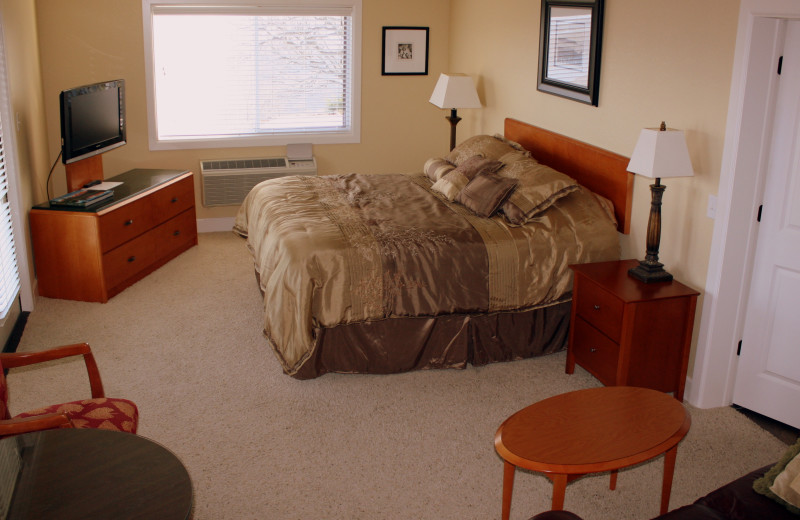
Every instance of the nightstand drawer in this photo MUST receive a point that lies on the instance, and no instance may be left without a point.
(595, 352)
(600, 308)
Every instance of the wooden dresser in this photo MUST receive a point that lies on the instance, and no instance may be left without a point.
(92, 254)
(625, 332)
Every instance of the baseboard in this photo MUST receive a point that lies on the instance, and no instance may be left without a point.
(213, 225)
(16, 334)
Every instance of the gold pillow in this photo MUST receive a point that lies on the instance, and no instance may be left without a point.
(455, 181)
(435, 168)
(538, 188)
(490, 147)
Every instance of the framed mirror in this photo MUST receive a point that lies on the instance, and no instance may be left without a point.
(570, 37)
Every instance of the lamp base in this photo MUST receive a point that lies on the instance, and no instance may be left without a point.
(650, 272)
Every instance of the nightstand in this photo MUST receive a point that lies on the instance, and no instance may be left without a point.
(625, 332)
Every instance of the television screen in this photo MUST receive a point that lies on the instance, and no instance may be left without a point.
(92, 119)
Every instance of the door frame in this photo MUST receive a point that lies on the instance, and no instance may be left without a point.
(744, 158)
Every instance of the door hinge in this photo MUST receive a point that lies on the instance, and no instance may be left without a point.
(760, 207)
(780, 65)
(739, 348)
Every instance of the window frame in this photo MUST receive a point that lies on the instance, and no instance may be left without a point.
(350, 135)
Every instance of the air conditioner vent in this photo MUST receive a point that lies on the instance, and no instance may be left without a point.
(227, 181)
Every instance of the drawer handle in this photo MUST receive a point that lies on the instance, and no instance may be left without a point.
(132, 259)
(597, 307)
(129, 222)
(176, 232)
(593, 350)
(174, 199)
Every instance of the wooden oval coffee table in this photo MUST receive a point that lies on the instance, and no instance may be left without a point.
(591, 431)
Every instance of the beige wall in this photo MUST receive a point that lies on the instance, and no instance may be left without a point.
(660, 61)
(84, 41)
(27, 105)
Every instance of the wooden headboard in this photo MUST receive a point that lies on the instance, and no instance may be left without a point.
(599, 170)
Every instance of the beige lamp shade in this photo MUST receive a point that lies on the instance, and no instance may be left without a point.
(455, 91)
(661, 153)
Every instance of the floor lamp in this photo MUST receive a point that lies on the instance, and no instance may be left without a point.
(455, 91)
(659, 153)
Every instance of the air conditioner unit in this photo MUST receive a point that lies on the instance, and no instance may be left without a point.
(227, 181)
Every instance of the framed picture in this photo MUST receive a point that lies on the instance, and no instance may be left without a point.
(569, 49)
(405, 51)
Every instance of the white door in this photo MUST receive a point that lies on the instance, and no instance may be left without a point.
(768, 374)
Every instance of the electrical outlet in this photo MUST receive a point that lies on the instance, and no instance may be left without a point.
(712, 206)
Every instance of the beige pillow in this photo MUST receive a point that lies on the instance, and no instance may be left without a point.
(787, 483)
(765, 484)
(455, 181)
(538, 187)
(490, 147)
(435, 168)
(485, 193)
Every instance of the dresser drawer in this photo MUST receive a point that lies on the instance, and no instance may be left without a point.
(128, 259)
(176, 233)
(595, 352)
(126, 222)
(599, 307)
(173, 199)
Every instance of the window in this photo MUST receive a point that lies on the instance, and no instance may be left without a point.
(249, 74)
(9, 273)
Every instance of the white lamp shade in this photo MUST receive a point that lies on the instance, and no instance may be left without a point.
(661, 154)
(455, 91)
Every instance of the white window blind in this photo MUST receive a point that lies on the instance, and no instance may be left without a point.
(226, 74)
(9, 274)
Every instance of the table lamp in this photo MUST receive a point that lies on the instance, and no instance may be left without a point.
(455, 91)
(660, 152)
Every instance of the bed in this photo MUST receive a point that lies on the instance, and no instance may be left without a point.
(463, 263)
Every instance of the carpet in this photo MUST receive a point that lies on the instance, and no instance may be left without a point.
(186, 345)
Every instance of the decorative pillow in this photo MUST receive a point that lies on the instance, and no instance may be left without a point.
(781, 482)
(435, 168)
(490, 147)
(539, 187)
(455, 181)
(485, 193)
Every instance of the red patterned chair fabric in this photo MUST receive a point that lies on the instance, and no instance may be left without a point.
(104, 413)
(98, 412)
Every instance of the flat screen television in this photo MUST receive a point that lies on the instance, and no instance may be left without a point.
(92, 119)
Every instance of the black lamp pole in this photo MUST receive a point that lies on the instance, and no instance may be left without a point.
(454, 119)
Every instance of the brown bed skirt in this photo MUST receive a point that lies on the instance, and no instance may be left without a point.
(448, 341)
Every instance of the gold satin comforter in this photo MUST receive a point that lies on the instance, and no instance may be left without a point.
(346, 249)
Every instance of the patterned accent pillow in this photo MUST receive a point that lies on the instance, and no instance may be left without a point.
(455, 181)
(485, 193)
(103, 413)
(539, 188)
(436, 168)
(488, 146)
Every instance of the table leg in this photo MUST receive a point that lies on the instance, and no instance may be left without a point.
(669, 470)
(559, 490)
(508, 487)
(613, 484)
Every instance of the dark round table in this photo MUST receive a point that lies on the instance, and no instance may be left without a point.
(86, 473)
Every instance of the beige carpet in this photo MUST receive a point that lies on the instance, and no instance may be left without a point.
(186, 345)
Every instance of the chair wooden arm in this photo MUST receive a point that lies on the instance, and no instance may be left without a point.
(21, 359)
(32, 424)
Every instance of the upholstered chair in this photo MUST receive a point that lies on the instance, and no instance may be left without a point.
(97, 412)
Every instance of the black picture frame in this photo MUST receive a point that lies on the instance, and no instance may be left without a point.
(405, 51)
(570, 40)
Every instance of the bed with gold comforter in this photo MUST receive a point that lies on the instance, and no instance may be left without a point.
(383, 274)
